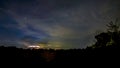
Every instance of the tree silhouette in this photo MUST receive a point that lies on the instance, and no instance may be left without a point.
(102, 39)
(114, 32)
(111, 37)
(113, 26)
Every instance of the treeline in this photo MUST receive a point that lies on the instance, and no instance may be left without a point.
(16, 56)
(105, 50)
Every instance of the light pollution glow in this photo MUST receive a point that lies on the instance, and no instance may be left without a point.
(59, 23)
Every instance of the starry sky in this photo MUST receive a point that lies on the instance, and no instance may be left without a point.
(56, 23)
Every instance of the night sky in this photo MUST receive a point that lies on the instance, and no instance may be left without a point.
(55, 23)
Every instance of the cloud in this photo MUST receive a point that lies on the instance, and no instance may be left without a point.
(67, 24)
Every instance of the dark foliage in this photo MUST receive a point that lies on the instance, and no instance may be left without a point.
(80, 57)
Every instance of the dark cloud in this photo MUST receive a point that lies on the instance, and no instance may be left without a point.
(63, 23)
